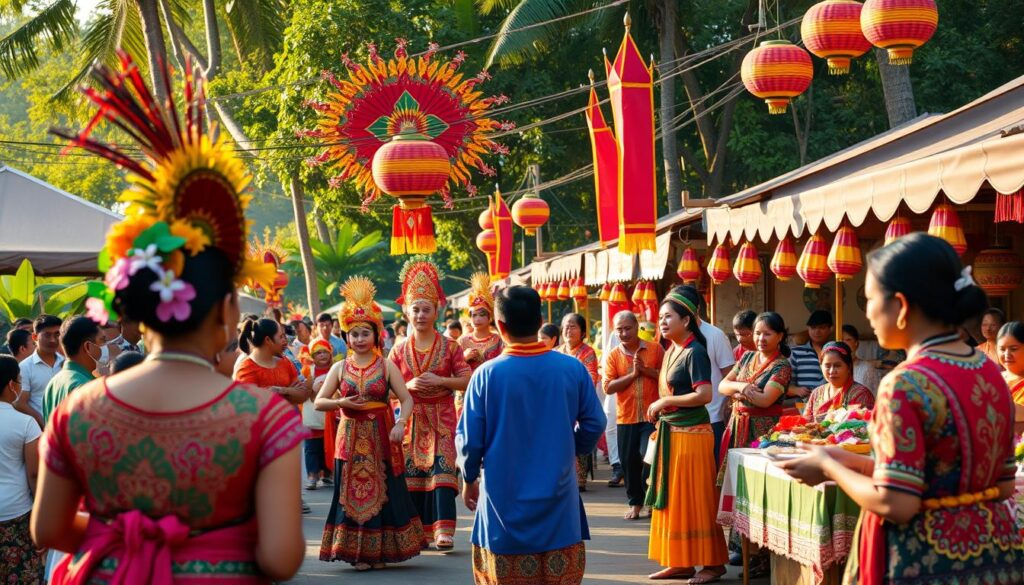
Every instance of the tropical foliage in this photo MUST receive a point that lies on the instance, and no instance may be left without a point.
(347, 253)
(24, 295)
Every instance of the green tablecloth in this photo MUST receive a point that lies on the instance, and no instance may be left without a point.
(811, 525)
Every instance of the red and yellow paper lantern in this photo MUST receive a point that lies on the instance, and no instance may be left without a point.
(551, 292)
(831, 31)
(844, 259)
(530, 213)
(606, 292)
(813, 265)
(563, 293)
(899, 26)
(638, 293)
(578, 292)
(487, 241)
(783, 264)
(777, 72)
(898, 227)
(411, 167)
(998, 271)
(689, 268)
(651, 293)
(747, 269)
(945, 224)
(618, 296)
(486, 218)
(718, 267)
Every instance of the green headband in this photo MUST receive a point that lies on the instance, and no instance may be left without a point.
(685, 302)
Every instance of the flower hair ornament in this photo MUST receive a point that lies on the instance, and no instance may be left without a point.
(966, 279)
(187, 192)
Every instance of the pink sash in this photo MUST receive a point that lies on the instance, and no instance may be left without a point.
(146, 548)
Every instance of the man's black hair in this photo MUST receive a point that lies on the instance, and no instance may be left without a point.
(519, 308)
(75, 332)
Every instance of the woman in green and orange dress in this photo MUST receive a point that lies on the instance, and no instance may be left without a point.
(935, 497)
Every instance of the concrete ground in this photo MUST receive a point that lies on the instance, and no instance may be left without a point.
(616, 553)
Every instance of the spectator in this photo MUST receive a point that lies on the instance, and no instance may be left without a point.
(23, 324)
(303, 335)
(806, 358)
(453, 330)
(325, 325)
(550, 335)
(131, 336)
(83, 341)
(43, 364)
(991, 320)
(21, 561)
(743, 330)
(111, 349)
(20, 344)
(864, 371)
(401, 331)
(126, 360)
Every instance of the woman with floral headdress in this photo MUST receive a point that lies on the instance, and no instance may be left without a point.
(372, 520)
(434, 369)
(483, 343)
(169, 472)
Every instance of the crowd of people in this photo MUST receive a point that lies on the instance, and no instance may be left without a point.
(166, 438)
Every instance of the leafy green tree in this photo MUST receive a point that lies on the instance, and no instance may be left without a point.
(347, 254)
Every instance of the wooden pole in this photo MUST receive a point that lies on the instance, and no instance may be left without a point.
(711, 302)
(549, 311)
(839, 309)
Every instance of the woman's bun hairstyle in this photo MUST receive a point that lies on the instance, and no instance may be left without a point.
(255, 333)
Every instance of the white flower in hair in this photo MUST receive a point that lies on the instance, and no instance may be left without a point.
(148, 257)
(966, 279)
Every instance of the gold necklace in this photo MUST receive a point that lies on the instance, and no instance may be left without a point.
(182, 357)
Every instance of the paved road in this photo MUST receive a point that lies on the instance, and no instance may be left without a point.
(617, 552)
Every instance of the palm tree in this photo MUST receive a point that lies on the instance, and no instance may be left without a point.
(346, 253)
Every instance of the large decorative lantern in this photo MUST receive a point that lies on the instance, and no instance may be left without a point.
(945, 224)
(487, 241)
(271, 252)
(718, 267)
(899, 26)
(844, 259)
(898, 227)
(530, 213)
(831, 30)
(562, 292)
(783, 264)
(998, 271)
(618, 295)
(606, 292)
(407, 126)
(813, 264)
(777, 72)
(689, 269)
(486, 218)
(748, 266)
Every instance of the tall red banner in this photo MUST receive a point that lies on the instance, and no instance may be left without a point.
(503, 228)
(606, 170)
(630, 86)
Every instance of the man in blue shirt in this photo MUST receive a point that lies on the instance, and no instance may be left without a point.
(324, 328)
(528, 414)
(805, 360)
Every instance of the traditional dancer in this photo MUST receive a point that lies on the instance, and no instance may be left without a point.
(574, 335)
(483, 343)
(372, 520)
(530, 409)
(434, 369)
(168, 472)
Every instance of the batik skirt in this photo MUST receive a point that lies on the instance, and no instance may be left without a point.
(564, 566)
(21, 563)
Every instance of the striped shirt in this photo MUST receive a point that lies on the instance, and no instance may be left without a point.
(806, 367)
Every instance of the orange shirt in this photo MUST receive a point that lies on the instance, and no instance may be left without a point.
(634, 400)
(282, 374)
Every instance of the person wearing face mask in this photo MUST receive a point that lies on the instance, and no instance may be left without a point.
(83, 342)
(21, 561)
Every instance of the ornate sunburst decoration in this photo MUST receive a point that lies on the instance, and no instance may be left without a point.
(405, 95)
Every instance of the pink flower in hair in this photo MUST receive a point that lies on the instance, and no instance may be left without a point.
(175, 296)
(117, 277)
(96, 310)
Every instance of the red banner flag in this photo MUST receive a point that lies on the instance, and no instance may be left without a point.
(502, 227)
(606, 169)
(630, 85)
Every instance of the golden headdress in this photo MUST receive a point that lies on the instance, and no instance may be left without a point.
(359, 307)
(480, 295)
(186, 194)
(421, 281)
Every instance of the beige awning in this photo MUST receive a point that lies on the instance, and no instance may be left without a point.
(560, 268)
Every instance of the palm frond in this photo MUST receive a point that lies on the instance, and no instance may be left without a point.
(54, 25)
(466, 16)
(489, 6)
(512, 44)
(256, 30)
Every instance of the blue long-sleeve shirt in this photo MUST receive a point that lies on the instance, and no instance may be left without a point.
(526, 418)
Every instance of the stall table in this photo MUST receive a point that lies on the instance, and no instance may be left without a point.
(812, 526)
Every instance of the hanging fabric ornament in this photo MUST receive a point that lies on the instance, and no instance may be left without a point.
(718, 267)
(898, 227)
(578, 293)
(748, 266)
(487, 242)
(606, 292)
(562, 292)
(503, 238)
(899, 26)
(777, 72)
(844, 259)
(605, 149)
(783, 264)
(831, 30)
(689, 269)
(945, 224)
(813, 264)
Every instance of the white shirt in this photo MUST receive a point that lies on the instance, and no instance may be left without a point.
(721, 356)
(35, 375)
(16, 431)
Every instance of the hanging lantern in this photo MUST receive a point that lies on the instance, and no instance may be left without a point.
(578, 292)
(783, 264)
(650, 294)
(530, 213)
(899, 26)
(486, 218)
(777, 72)
(748, 266)
(844, 259)
(606, 292)
(689, 269)
(998, 271)
(898, 227)
(813, 264)
(551, 292)
(945, 224)
(638, 292)
(487, 241)
(831, 30)
(562, 292)
(718, 267)
(411, 167)
(618, 295)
